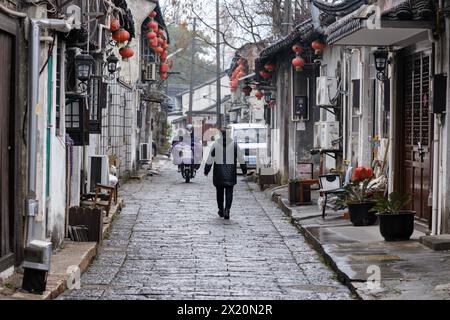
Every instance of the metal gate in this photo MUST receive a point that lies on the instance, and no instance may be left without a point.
(6, 178)
(416, 133)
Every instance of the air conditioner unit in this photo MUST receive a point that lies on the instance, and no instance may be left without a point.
(324, 133)
(327, 88)
(149, 71)
(144, 152)
(98, 171)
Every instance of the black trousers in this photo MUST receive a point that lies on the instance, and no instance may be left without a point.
(228, 194)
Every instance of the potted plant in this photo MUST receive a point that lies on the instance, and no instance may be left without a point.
(358, 196)
(396, 224)
(294, 191)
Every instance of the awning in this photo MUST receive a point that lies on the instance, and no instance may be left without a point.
(368, 26)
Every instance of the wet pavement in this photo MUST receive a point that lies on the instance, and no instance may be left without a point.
(170, 243)
(375, 269)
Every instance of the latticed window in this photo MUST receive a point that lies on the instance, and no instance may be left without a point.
(77, 119)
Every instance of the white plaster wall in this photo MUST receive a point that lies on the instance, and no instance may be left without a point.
(208, 90)
(57, 196)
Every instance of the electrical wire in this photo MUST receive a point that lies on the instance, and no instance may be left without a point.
(49, 53)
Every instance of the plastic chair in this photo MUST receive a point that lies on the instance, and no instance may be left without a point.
(329, 184)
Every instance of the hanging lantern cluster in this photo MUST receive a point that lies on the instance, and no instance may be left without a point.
(266, 73)
(157, 40)
(298, 62)
(120, 36)
(239, 72)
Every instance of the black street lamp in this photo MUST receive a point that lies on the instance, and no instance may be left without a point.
(83, 66)
(381, 62)
(112, 63)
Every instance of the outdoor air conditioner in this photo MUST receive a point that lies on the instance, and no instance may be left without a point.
(324, 133)
(98, 171)
(149, 71)
(144, 152)
(327, 88)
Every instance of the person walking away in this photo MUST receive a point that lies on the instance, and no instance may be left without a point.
(224, 156)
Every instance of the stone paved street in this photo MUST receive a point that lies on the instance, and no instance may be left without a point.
(169, 243)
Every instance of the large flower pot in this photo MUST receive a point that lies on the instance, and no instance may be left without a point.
(396, 226)
(360, 215)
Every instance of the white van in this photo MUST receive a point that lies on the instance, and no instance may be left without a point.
(250, 137)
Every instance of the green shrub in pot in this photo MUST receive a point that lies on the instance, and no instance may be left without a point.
(357, 196)
(396, 223)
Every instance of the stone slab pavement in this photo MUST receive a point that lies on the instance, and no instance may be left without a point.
(169, 243)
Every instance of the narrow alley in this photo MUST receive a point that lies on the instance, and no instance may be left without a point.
(170, 243)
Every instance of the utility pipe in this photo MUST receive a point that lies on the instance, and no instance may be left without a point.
(33, 105)
(12, 12)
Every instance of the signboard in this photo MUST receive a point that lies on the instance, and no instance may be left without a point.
(300, 111)
(304, 170)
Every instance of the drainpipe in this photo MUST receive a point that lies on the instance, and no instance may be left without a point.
(446, 209)
(32, 204)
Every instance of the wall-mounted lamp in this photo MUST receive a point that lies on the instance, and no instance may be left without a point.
(381, 62)
(83, 65)
(112, 63)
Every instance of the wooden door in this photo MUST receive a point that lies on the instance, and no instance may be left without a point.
(6, 186)
(417, 132)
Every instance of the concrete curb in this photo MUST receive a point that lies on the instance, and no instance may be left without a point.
(342, 277)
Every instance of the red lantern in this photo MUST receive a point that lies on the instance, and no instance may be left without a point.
(240, 61)
(153, 25)
(246, 90)
(318, 46)
(151, 35)
(159, 50)
(160, 41)
(121, 35)
(298, 63)
(161, 32)
(264, 74)
(153, 43)
(114, 25)
(165, 45)
(152, 14)
(164, 56)
(269, 67)
(297, 48)
(164, 67)
(259, 94)
(126, 52)
(163, 75)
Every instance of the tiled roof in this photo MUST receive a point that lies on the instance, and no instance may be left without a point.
(302, 32)
(412, 10)
(345, 25)
(341, 8)
(416, 10)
